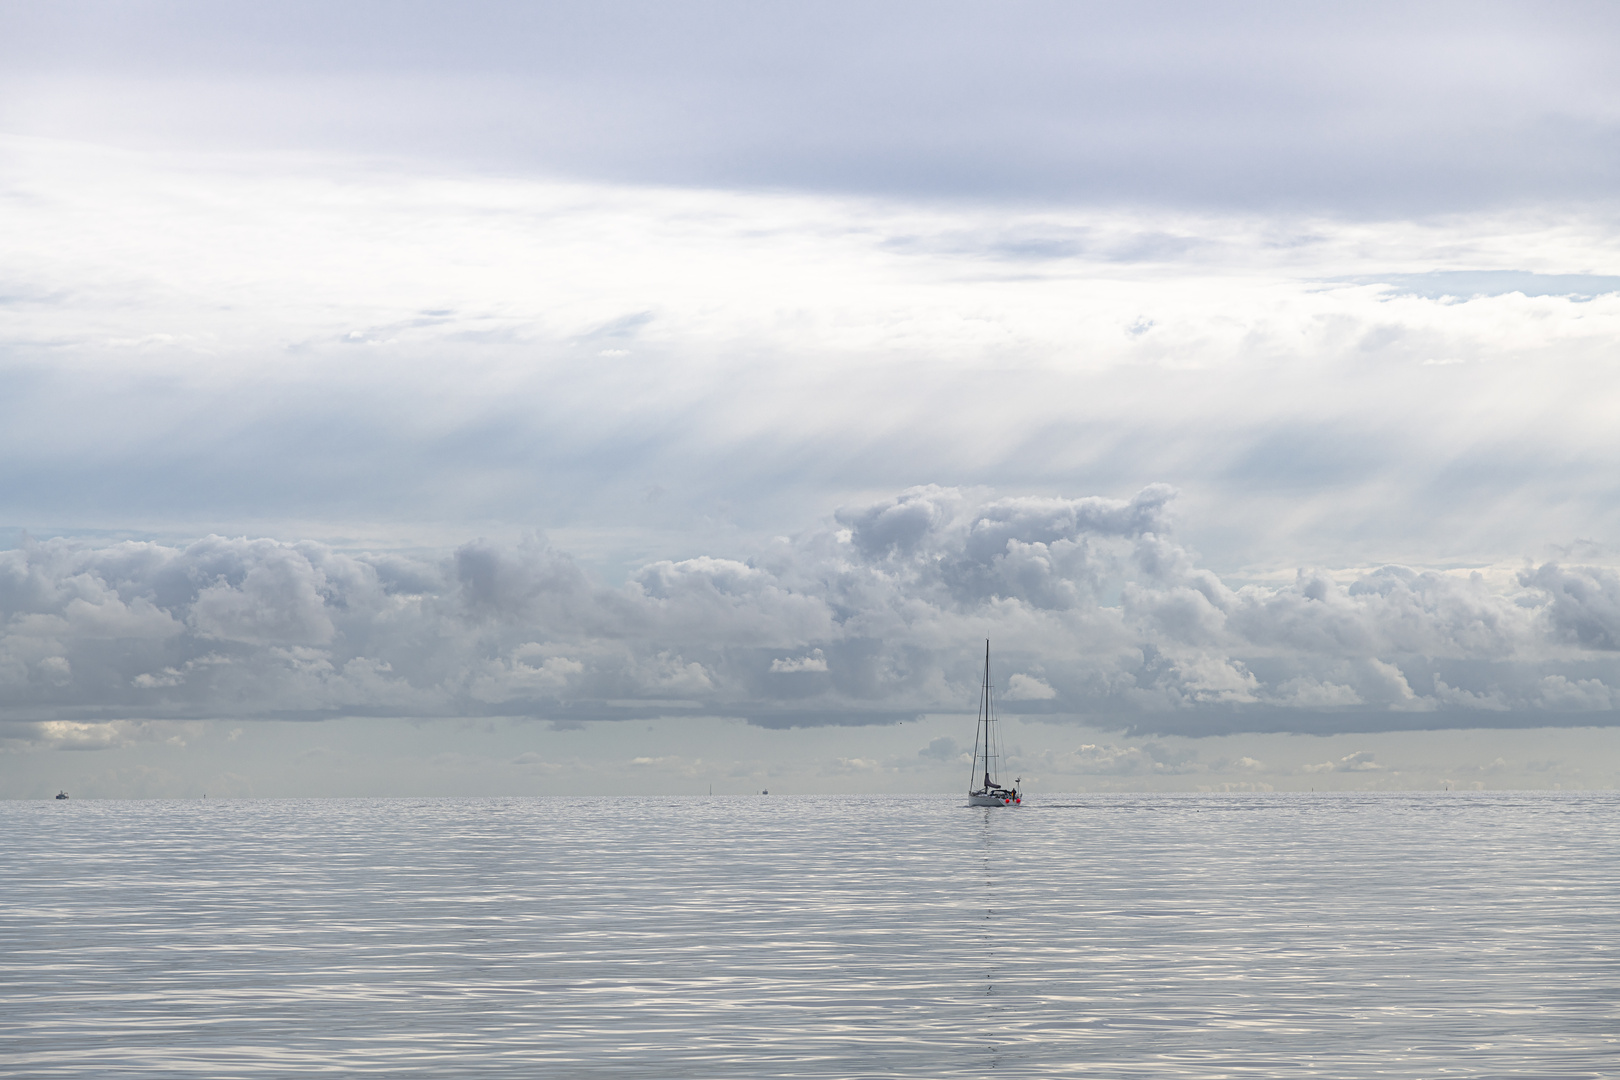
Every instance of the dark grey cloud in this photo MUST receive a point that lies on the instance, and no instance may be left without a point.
(872, 618)
(1584, 604)
(1371, 107)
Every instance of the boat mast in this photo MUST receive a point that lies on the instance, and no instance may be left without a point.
(990, 753)
(982, 733)
(978, 731)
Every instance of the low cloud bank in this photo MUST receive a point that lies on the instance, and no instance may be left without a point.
(1096, 612)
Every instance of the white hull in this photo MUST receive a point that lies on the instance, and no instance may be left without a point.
(991, 800)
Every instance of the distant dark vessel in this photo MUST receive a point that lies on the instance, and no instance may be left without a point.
(61, 795)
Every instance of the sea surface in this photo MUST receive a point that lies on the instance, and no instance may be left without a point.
(1199, 936)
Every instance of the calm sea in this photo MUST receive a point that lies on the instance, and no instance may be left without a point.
(1100, 936)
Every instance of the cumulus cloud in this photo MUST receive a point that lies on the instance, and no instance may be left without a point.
(875, 616)
(814, 662)
(1309, 692)
(90, 735)
(1021, 687)
(1360, 761)
(1583, 604)
(1577, 695)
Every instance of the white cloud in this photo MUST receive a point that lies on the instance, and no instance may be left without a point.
(814, 629)
(1492, 700)
(92, 735)
(813, 662)
(885, 340)
(1360, 761)
(55, 670)
(527, 671)
(1578, 695)
(1310, 693)
(1021, 687)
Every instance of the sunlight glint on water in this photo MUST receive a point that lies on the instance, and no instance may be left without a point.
(1103, 936)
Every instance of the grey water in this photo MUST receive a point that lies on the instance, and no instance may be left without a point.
(1444, 935)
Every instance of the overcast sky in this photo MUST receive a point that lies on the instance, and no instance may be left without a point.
(405, 398)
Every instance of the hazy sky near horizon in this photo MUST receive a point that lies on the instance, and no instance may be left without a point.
(650, 393)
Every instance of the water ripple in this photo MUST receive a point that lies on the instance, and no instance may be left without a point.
(1340, 936)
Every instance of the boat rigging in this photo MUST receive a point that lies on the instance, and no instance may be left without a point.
(987, 749)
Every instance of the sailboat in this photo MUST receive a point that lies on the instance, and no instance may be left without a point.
(987, 749)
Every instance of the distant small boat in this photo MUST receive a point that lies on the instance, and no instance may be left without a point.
(987, 749)
(61, 794)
